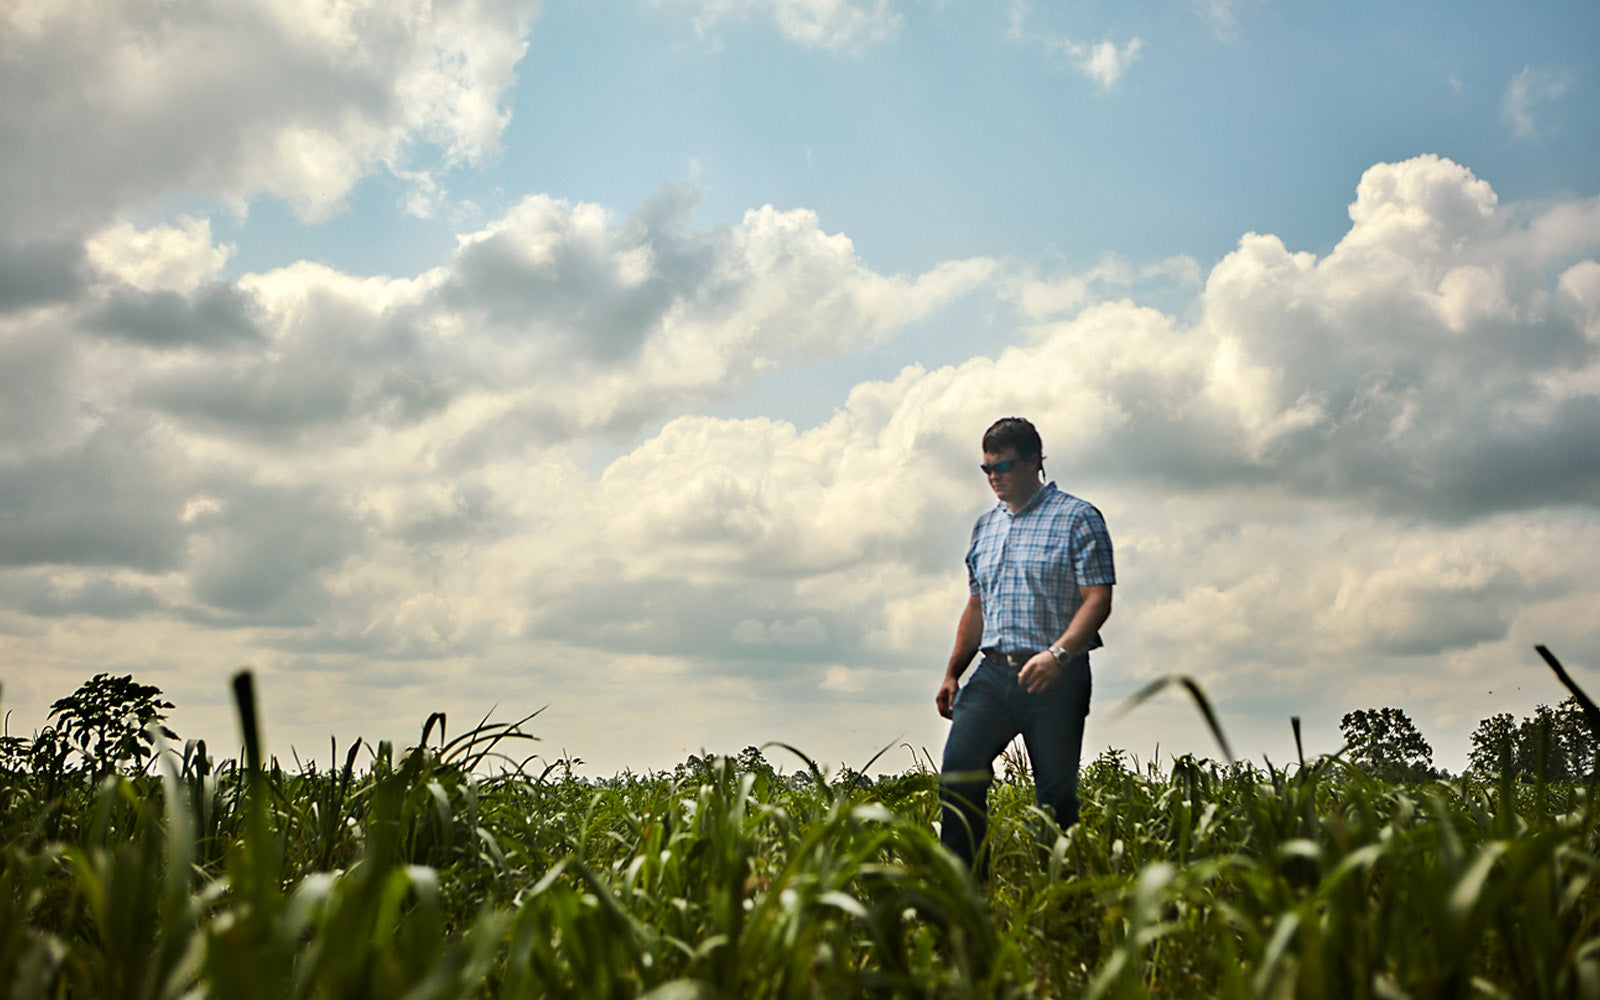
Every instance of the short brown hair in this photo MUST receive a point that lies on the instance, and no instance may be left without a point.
(1013, 432)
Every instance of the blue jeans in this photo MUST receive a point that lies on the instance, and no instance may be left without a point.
(989, 711)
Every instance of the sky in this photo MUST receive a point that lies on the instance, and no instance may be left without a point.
(626, 361)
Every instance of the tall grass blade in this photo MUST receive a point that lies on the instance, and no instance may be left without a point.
(1590, 711)
(244, 696)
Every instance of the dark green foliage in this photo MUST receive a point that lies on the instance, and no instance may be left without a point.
(107, 723)
(1385, 743)
(456, 868)
(1204, 879)
(1551, 745)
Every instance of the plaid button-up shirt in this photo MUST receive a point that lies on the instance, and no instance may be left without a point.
(1027, 567)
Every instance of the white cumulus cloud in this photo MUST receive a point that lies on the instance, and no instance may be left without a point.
(172, 258)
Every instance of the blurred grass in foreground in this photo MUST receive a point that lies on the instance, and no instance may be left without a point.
(453, 869)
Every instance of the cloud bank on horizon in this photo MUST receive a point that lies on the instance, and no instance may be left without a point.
(547, 468)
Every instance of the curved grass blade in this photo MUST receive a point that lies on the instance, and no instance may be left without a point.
(1150, 690)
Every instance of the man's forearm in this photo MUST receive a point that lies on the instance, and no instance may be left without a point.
(1085, 624)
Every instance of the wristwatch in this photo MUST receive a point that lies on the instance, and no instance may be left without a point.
(1060, 655)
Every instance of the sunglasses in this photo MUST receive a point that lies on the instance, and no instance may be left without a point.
(1000, 467)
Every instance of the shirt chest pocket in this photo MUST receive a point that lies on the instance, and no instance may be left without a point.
(1046, 565)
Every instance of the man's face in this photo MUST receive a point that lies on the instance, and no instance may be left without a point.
(1018, 482)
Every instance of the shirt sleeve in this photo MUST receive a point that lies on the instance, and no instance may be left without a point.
(972, 548)
(1092, 560)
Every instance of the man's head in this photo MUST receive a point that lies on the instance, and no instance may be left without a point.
(1014, 432)
(1013, 459)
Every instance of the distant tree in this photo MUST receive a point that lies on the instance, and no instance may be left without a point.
(107, 722)
(1543, 747)
(750, 760)
(1580, 740)
(1555, 744)
(1494, 746)
(1385, 743)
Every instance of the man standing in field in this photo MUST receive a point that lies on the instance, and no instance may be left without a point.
(1040, 574)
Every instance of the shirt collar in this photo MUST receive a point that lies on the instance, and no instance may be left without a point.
(1033, 501)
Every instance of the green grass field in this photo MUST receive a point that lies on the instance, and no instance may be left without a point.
(451, 870)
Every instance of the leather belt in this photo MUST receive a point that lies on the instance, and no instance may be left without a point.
(1010, 659)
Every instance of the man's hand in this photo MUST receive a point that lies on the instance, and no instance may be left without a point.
(1039, 672)
(946, 698)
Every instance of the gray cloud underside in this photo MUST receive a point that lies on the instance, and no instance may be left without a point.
(36, 595)
(104, 502)
(112, 106)
(217, 315)
(39, 272)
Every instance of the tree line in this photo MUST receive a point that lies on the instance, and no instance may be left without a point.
(110, 724)
(1553, 744)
